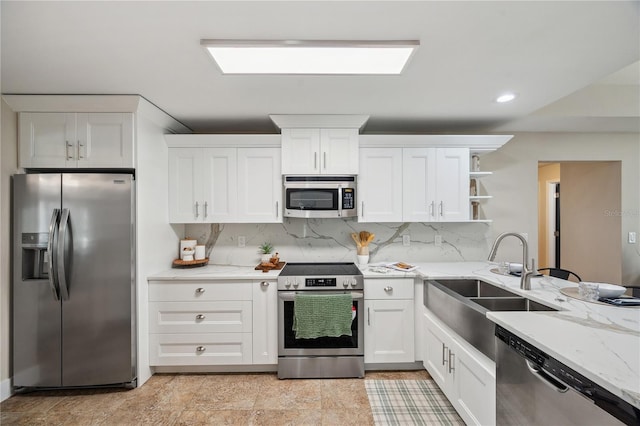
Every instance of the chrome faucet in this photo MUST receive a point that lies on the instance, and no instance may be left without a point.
(525, 275)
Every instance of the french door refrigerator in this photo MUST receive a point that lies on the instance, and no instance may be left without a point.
(73, 293)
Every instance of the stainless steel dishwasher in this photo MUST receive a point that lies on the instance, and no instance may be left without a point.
(534, 389)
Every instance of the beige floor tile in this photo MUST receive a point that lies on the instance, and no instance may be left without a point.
(287, 394)
(220, 417)
(286, 417)
(346, 394)
(136, 418)
(29, 403)
(346, 417)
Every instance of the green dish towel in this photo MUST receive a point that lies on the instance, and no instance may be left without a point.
(322, 315)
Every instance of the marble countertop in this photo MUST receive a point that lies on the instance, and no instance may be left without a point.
(599, 341)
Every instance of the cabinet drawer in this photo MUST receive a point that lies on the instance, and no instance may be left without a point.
(200, 349)
(393, 288)
(186, 291)
(200, 317)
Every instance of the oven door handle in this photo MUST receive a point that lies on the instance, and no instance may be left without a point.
(291, 295)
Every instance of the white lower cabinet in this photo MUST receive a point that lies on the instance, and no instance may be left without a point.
(389, 326)
(465, 376)
(200, 323)
(265, 322)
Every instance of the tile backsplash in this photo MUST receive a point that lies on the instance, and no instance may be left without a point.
(329, 240)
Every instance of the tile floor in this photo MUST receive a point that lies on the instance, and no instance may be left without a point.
(205, 399)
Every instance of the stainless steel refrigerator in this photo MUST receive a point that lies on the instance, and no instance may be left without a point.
(73, 293)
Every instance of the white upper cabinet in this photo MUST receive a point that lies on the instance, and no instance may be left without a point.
(223, 184)
(259, 185)
(380, 185)
(76, 140)
(319, 151)
(435, 184)
(202, 185)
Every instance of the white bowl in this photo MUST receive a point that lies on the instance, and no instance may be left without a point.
(515, 268)
(609, 290)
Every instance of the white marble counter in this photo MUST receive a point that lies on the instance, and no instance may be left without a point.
(599, 341)
(213, 272)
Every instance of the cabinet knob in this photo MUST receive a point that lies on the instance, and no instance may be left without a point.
(200, 317)
(264, 284)
(388, 289)
(200, 290)
(201, 349)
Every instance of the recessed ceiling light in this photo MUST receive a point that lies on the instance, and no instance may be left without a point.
(310, 56)
(507, 97)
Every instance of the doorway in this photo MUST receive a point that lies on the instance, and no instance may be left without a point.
(578, 230)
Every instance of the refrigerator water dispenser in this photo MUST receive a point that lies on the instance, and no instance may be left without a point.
(35, 257)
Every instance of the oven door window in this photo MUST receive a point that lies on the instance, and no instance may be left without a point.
(342, 342)
(311, 199)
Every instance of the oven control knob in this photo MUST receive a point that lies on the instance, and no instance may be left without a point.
(345, 283)
(296, 284)
(354, 283)
(288, 283)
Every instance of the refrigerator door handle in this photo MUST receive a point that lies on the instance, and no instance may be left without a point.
(51, 250)
(61, 254)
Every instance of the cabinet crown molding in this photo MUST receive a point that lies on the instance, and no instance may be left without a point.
(223, 141)
(328, 121)
(475, 143)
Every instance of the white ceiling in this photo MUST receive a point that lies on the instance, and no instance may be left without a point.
(573, 64)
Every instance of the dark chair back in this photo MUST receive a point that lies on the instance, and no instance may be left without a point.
(560, 273)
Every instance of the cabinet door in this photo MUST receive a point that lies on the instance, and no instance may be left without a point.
(419, 184)
(104, 140)
(436, 352)
(220, 185)
(453, 184)
(259, 185)
(47, 140)
(339, 151)
(185, 185)
(389, 332)
(380, 185)
(473, 389)
(265, 322)
(300, 151)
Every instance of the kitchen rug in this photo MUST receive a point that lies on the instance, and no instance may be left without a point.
(409, 402)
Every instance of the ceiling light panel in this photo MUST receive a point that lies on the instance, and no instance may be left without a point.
(310, 57)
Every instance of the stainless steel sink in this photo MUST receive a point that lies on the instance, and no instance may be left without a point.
(511, 304)
(475, 288)
(463, 305)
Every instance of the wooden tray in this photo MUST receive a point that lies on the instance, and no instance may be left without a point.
(265, 268)
(179, 263)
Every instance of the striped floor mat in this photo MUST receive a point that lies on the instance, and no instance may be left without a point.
(409, 402)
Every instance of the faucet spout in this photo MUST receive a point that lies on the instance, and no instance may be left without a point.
(525, 276)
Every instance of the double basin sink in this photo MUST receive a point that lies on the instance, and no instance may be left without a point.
(462, 304)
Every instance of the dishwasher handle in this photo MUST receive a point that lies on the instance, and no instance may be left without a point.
(546, 378)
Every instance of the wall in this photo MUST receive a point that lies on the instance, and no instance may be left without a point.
(515, 185)
(546, 173)
(8, 167)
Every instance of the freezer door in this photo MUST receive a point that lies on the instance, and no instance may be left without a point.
(97, 279)
(36, 311)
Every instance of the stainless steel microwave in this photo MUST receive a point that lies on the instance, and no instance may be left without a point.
(320, 196)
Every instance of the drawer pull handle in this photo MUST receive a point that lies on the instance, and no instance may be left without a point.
(200, 290)
(264, 284)
(451, 367)
(388, 289)
(200, 317)
(201, 349)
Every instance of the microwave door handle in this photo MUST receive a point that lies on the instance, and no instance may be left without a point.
(339, 200)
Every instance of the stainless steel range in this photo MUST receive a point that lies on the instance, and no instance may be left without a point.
(324, 356)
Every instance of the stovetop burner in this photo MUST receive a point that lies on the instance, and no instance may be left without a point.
(323, 269)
